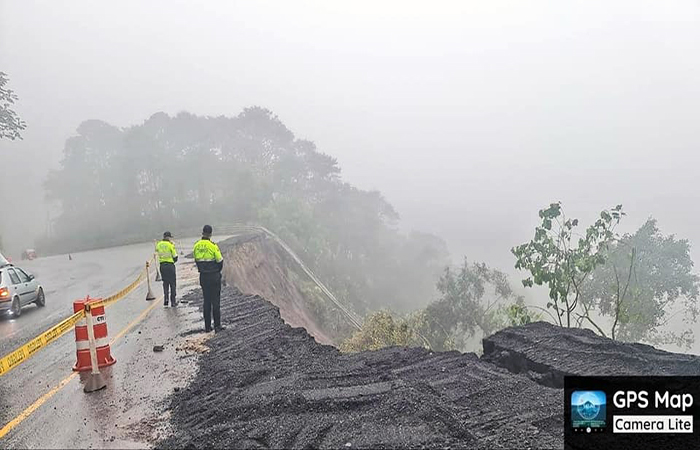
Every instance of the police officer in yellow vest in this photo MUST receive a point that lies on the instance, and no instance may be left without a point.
(167, 257)
(209, 263)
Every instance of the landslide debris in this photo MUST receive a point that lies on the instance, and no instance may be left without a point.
(546, 353)
(265, 384)
(257, 265)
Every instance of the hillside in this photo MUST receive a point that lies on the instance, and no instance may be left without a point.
(258, 264)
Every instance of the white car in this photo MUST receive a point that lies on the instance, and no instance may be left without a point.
(17, 289)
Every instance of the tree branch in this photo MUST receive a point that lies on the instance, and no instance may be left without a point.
(541, 309)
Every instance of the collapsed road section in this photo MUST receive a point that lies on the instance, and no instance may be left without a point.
(269, 380)
(546, 353)
(268, 383)
(265, 384)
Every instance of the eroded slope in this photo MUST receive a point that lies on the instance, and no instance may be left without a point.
(257, 265)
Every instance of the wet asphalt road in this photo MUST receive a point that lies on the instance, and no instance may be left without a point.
(96, 273)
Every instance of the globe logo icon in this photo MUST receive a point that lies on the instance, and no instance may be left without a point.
(588, 410)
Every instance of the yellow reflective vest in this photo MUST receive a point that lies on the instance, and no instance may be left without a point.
(166, 252)
(207, 256)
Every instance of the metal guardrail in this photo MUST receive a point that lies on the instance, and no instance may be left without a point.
(237, 228)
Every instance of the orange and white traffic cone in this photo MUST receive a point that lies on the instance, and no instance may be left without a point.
(96, 381)
(98, 330)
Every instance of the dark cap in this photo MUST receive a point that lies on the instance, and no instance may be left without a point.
(167, 234)
(207, 230)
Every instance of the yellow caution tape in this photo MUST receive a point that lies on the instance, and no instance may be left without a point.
(16, 357)
(13, 359)
(121, 294)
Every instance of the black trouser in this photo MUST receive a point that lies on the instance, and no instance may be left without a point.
(211, 289)
(167, 272)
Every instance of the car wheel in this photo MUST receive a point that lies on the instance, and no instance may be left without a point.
(40, 299)
(16, 308)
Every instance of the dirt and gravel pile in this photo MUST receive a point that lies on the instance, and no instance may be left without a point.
(546, 353)
(265, 384)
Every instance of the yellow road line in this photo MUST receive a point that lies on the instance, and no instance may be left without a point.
(26, 351)
(34, 406)
(44, 398)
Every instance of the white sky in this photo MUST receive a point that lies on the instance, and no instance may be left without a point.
(469, 116)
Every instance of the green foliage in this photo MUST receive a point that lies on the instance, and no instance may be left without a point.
(475, 301)
(380, 330)
(470, 303)
(324, 312)
(10, 123)
(517, 314)
(128, 185)
(554, 258)
(645, 283)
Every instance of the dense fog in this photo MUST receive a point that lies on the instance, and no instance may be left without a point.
(454, 120)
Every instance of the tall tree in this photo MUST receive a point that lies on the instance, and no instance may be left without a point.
(118, 185)
(475, 301)
(556, 258)
(646, 282)
(472, 300)
(10, 123)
